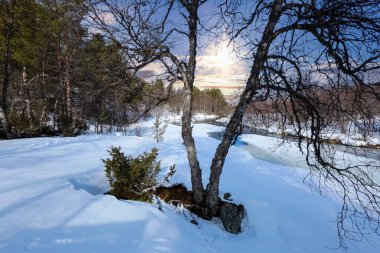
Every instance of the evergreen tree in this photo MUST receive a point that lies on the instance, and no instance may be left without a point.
(159, 128)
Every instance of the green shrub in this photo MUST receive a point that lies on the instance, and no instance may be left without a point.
(159, 128)
(132, 178)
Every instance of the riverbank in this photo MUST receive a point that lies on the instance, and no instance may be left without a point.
(332, 136)
(366, 151)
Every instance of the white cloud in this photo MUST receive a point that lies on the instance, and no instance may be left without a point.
(217, 67)
(220, 67)
(107, 18)
(152, 71)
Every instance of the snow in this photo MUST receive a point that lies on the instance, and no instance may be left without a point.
(51, 200)
(353, 137)
(195, 116)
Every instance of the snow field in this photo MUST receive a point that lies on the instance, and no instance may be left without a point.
(51, 201)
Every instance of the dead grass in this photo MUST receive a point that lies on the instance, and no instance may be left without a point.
(179, 194)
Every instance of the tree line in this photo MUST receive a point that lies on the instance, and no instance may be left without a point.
(341, 111)
(58, 76)
(207, 101)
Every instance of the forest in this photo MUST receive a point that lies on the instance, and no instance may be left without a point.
(112, 73)
(59, 76)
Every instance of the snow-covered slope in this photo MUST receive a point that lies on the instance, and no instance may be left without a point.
(51, 201)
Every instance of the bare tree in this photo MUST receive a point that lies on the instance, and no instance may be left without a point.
(145, 34)
(338, 42)
(345, 45)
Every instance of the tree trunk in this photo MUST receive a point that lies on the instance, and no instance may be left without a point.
(6, 80)
(4, 121)
(196, 172)
(212, 197)
(68, 96)
(43, 113)
(56, 114)
(27, 96)
(66, 79)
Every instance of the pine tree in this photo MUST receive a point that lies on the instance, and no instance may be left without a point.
(159, 128)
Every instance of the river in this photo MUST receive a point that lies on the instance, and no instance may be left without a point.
(258, 153)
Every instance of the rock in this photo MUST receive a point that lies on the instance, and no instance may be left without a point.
(231, 216)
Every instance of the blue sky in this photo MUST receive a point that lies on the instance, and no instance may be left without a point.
(217, 63)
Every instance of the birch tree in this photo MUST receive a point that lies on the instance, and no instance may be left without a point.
(145, 33)
(338, 43)
(274, 33)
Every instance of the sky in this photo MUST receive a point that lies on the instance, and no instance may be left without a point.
(218, 66)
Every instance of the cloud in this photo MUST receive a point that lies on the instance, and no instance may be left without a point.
(107, 17)
(220, 59)
(97, 19)
(218, 67)
(152, 71)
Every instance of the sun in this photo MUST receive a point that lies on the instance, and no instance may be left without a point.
(219, 66)
(222, 57)
(224, 53)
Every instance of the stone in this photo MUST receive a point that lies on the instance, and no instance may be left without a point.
(231, 216)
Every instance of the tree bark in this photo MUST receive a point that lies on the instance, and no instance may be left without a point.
(196, 172)
(27, 96)
(43, 113)
(6, 81)
(212, 198)
(4, 121)
(66, 79)
(68, 95)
